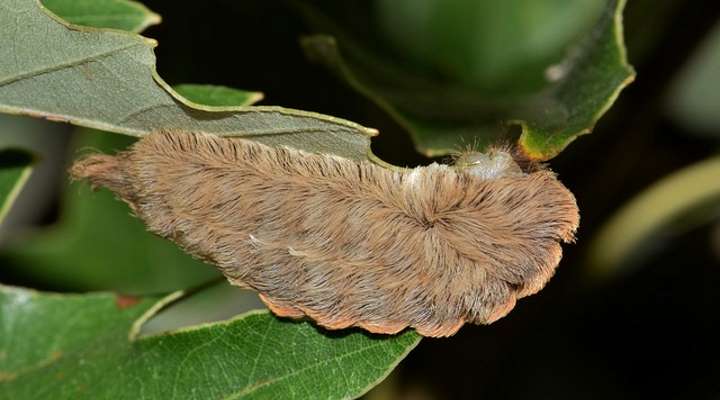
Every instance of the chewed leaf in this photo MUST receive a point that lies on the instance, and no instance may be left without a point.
(441, 117)
(86, 347)
(15, 169)
(107, 80)
(125, 15)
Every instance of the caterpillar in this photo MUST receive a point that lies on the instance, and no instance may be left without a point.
(348, 243)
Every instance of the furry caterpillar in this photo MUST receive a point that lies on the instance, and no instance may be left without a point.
(350, 243)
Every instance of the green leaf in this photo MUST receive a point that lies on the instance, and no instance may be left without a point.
(15, 169)
(218, 96)
(99, 245)
(443, 116)
(595, 76)
(686, 198)
(695, 95)
(86, 347)
(493, 46)
(107, 80)
(116, 14)
(60, 325)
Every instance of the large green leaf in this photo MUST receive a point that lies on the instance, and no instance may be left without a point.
(684, 199)
(86, 347)
(117, 14)
(442, 116)
(98, 245)
(502, 46)
(15, 169)
(106, 79)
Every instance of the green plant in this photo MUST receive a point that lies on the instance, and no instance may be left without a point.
(82, 62)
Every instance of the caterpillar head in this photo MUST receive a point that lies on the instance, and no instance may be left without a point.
(496, 162)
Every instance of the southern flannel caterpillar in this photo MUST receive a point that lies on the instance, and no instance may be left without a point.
(350, 243)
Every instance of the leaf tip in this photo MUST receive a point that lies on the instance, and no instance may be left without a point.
(150, 19)
(255, 97)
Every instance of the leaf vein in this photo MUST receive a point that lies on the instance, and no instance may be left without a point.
(64, 65)
(253, 388)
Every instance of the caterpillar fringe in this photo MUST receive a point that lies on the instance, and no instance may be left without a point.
(349, 243)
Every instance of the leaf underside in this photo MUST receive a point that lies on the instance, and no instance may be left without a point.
(107, 80)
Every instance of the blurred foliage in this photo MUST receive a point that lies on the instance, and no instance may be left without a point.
(678, 203)
(99, 245)
(45, 140)
(560, 94)
(497, 48)
(15, 168)
(695, 100)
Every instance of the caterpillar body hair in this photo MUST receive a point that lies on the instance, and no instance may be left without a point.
(350, 243)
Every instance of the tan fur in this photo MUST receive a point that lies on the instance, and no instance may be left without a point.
(348, 243)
